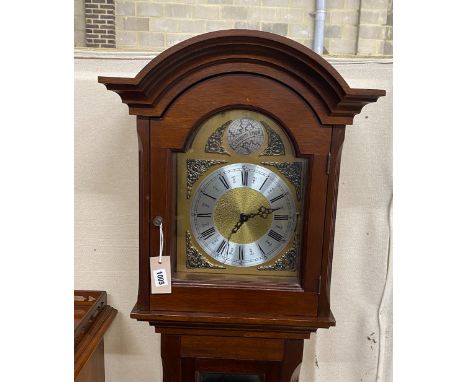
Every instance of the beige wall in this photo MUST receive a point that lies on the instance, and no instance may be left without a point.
(106, 228)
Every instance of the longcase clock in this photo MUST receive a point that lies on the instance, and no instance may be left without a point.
(240, 135)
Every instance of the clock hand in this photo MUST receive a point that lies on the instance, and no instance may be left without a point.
(263, 212)
(243, 218)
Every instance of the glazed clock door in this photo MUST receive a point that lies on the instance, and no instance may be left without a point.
(240, 198)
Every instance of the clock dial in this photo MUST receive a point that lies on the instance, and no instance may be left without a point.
(239, 198)
(243, 214)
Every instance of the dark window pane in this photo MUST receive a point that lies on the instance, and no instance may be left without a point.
(222, 377)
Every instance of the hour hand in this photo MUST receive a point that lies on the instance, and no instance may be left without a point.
(263, 212)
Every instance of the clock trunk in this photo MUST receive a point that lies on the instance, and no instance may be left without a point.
(264, 105)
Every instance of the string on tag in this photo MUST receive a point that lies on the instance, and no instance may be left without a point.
(161, 242)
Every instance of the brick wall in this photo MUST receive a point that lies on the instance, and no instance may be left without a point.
(359, 27)
(372, 27)
(388, 46)
(158, 25)
(362, 27)
(99, 23)
(79, 23)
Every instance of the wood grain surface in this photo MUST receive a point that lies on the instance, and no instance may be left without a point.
(92, 324)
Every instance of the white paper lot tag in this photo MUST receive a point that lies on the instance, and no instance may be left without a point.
(160, 275)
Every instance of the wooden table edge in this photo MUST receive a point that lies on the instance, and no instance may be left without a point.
(93, 337)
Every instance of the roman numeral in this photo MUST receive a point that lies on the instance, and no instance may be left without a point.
(209, 196)
(224, 182)
(275, 235)
(261, 249)
(241, 253)
(280, 217)
(208, 233)
(277, 198)
(263, 183)
(245, 177)
(221, 246)
(204, 215)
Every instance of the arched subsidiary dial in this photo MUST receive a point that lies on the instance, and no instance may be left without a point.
(243, 215)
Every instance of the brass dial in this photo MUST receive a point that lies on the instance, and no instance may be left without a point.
(230, 224)
(239, 201)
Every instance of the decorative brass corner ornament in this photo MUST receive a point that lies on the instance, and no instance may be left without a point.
(292, 171)
(287, 262)
(194, 258)
(215, 141)
(275, 144)
(196, 168)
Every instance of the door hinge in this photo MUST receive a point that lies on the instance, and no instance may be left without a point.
(319, 284)
(328, 163)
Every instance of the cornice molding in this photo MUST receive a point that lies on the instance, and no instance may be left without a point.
(214, 54)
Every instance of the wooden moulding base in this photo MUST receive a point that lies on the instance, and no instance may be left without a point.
(169, 322)
(196, 344)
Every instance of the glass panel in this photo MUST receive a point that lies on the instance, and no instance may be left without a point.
(222, 377)
(239, 202)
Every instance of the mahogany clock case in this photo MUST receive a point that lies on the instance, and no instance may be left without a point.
(171, 97)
